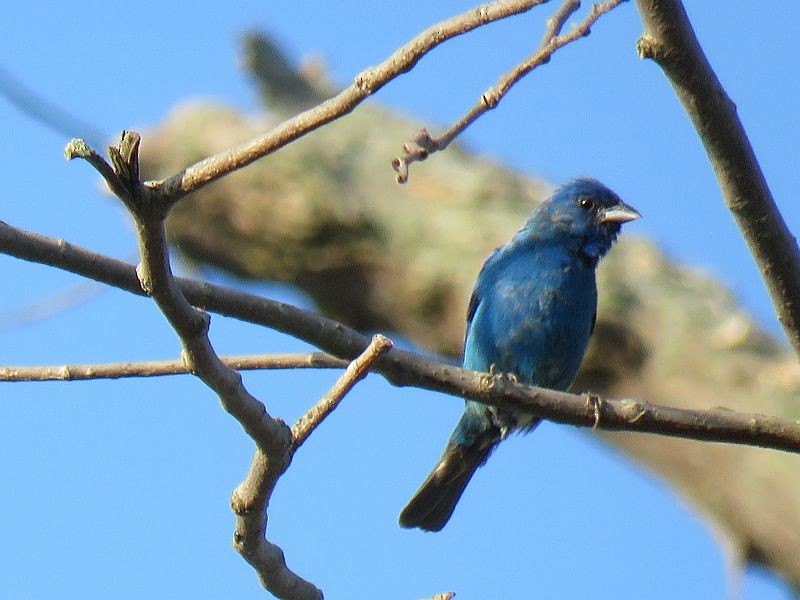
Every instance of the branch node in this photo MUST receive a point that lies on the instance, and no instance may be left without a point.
(417, 149)
(634, 410)
(186, 360)
(648, 47)
(490, 98)
(145, 281)
(363, 82)
(201, 322)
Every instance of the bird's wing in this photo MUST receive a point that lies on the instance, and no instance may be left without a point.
(475, 298)
(474, 301)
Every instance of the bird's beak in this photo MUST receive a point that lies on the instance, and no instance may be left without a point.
(619, 213)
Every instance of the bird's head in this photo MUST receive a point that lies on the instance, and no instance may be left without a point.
(584, 214)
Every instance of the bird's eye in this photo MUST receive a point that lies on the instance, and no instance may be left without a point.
(586, 203)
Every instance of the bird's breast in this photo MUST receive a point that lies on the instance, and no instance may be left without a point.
(538, 321)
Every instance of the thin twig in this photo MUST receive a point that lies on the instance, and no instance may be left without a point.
(556, 23)
(422, 145)
(366, 83)
(355, 372)
(406, 368)
(78, 148)
(670, 41)
(158, 368)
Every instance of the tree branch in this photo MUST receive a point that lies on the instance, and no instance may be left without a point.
(251, 497)
(422, 145)
(556, 23)
(366, 83)
(118, 370)
(355, 372)
(407, 368)
(272, 436)
(248, 502)
(670, 41)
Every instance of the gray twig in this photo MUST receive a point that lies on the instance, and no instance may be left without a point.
(422, 145)
(159, 368)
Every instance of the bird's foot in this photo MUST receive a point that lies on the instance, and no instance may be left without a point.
(596, 404)
(497, 374)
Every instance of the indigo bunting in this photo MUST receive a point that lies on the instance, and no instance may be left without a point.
(531, 314)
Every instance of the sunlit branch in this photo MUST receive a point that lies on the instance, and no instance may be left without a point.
(407, 368)
(159, 368)
(422, 145)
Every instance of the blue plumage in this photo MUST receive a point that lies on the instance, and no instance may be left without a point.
(531, 314)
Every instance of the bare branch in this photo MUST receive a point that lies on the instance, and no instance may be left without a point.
(77, 148)
(272, 436)
(252, 362)
(556, 23)
(406, 368)
(251, 497)
(366, 83)
(249, 503)
(423, 144)
(670, 41)
(355, 372)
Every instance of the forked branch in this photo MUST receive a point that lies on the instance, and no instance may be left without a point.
(251, 497)
(407, 368)
(272, 436)
(422, 145)
(365, 84)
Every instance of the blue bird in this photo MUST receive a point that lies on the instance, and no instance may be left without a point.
(530, 316)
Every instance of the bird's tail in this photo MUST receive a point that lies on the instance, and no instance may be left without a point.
(434, 503)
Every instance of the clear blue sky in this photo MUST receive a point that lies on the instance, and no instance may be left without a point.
(120, 489)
